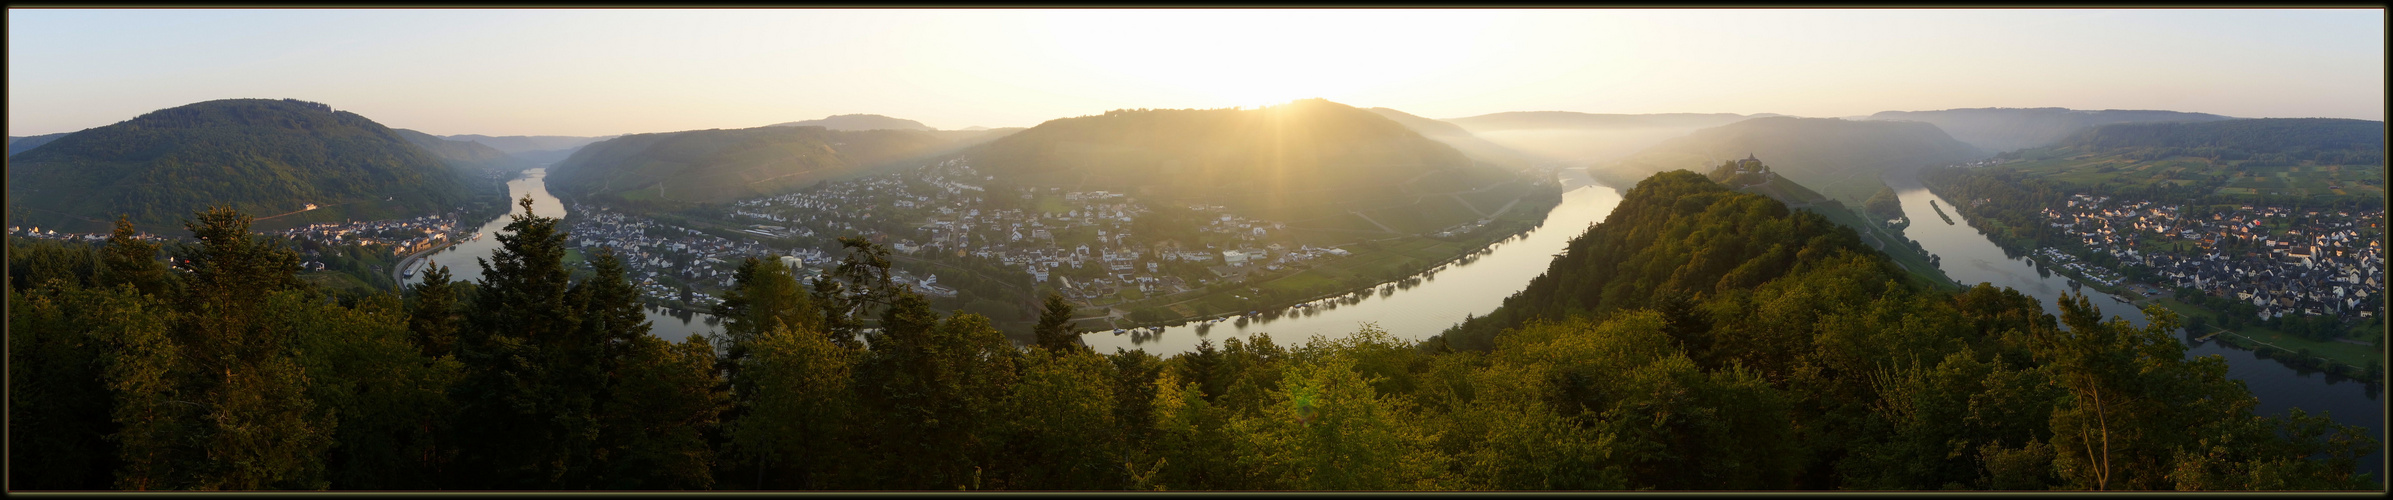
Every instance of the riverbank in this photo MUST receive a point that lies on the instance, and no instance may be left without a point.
(1373, 266)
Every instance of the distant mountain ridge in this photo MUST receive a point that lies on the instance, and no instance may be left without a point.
(858, 122)
(471, 157)
(717, 165)
(261, 156)
(1842, 159)
(1309, 161)
(513, 144)
(2007, 129)
(21, 144)
(1462, 140)
(1543, 120)
(1579, 139)
(2248, 136)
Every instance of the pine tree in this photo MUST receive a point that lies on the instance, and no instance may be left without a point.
(434, 319)
(531, 423)
(257, 427)
(128, 260)
(1055, 331)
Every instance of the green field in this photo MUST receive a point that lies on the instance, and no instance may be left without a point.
(2339, 352)
(2307, 180)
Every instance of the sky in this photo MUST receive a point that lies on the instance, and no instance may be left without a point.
(616, 71)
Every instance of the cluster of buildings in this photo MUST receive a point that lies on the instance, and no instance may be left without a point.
(2099, 275)
(663, 260)
(405, 236)
(53, 234)
(2285, 261)
(1083, 242)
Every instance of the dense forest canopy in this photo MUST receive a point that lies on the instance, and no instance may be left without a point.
(1727, 343)
(257, 155)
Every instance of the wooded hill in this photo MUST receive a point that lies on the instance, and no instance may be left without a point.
(1839, 158)
(1309, 162)
(717, 165)
(257, 155)
(2008, 129)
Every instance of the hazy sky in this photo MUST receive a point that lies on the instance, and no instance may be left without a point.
(601, 72)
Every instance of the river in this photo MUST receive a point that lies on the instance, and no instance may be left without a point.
(1441, 300)
(1971, 258)
(460, 259)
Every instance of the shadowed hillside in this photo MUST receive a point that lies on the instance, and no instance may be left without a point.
(1306, 162)
(257, 155)
(708, 166)
(21, 144)
(1585, 138)
(1840, 158)
(1462, 140)
(2006, 129)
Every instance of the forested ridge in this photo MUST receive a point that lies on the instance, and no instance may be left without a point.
(1842, 159)
(2009, 129)
(1732, 345)
(1309, 160)
(257, 155)
(675, 169)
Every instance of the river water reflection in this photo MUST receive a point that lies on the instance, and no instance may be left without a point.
(1441, 300)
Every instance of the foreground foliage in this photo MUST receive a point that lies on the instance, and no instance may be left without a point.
(1670, 349)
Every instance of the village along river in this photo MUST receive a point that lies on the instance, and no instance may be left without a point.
(1969, 257)
(666, 323)
(1476, 285)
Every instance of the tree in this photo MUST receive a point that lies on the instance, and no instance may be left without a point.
(659, 417)
(1055, 331)
(128, 260)
(1326, 429)
(257, 427)
(527, 392)
(938, 383)
(1058, 424)
(86, 392)
(434, 319)
(793, 419)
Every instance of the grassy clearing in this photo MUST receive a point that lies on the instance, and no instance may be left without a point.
(2339, 352)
